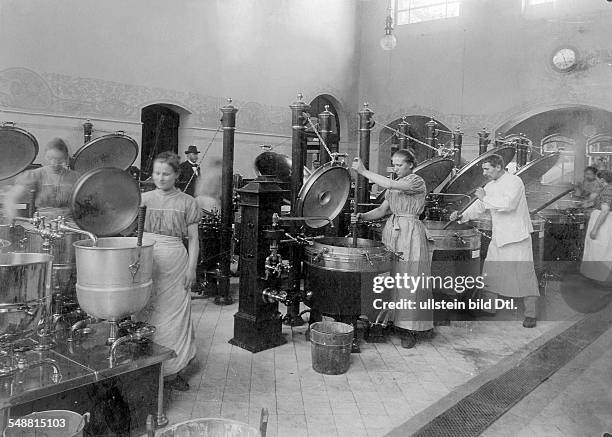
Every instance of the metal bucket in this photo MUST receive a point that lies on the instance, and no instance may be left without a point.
(52, 423)
(456, 251)
(114, 278)
(341, 276)
(330, 345)
(209, 428)
(25, 293)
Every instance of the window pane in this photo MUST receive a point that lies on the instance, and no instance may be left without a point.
(538, 2)
(452, 9)
(423, 3)
(428, 13)
(403, 17)
(403, 4)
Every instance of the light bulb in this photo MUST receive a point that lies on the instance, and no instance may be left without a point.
(388, 42)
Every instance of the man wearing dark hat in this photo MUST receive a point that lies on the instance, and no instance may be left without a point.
(189, 171)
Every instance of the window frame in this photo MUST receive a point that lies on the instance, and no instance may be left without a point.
(434, 3)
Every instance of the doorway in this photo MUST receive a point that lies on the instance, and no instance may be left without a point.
(159, 134)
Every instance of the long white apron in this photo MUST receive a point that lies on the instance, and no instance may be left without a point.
(169, 309)
(508, 270)
(597, 257)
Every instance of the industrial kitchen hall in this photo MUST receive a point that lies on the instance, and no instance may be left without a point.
(249, 218)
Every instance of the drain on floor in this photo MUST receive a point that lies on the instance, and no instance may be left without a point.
(477, 411)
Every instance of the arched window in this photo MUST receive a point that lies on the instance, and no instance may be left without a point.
(563, 171)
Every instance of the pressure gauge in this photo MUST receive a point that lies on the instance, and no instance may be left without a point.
(564, 59)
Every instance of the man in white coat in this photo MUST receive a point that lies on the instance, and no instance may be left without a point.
(508, 269)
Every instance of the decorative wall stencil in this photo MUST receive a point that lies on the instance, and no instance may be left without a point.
(21, 88)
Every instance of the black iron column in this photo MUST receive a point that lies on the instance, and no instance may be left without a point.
(365, 128)
(431, 138)
(228, 120)
(404, 128)
(298, 154)
(325, 124)
(457, 144)
(483, 141)
(257, 324)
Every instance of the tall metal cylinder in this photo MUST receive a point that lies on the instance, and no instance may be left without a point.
(298, 155)
(521, 151)
(362, 193)
(431, 137)
(403, 127)
(228, 120)
(483, 141)
(325, 124)
(87, 130)
(457, 144)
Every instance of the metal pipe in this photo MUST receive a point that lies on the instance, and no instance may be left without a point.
(92, 237)
(299, 120)
(551, 201)
(227, 209)
(325, 119)
(483, 141)
(403, 127)
(277, 218)
(457, 136)
(431, 137)
(362, 193)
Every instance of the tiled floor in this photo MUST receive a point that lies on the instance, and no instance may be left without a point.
(384, 387)
(576, 401)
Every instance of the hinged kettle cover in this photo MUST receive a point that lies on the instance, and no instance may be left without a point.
(114, 150)
(19, 149)
(324, 194)
(105, 201)
(470, 176)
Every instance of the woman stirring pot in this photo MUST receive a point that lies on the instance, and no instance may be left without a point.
(405, 235)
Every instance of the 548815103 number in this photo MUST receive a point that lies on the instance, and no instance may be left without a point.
(21, 422)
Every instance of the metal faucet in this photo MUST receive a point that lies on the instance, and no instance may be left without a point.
(61, 225)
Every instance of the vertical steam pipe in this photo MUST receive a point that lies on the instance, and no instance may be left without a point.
(457, 144)
(325, 125)
(227, 210)
(431, 137)
(362, 193)
(87, 129)
(483, 141)
(298, 148)
(403, 127)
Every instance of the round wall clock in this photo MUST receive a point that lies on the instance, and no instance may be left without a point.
(564, 59)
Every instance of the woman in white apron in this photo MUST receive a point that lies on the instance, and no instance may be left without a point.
(597, 256)
(171, 216)
(405, 235)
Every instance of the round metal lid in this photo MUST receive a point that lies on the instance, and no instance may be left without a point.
(470, 176)
(324, 194)
(19, 149)
(105, 201)
(114, 150)
(273, 164)
(533, 171)
(434, 171)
